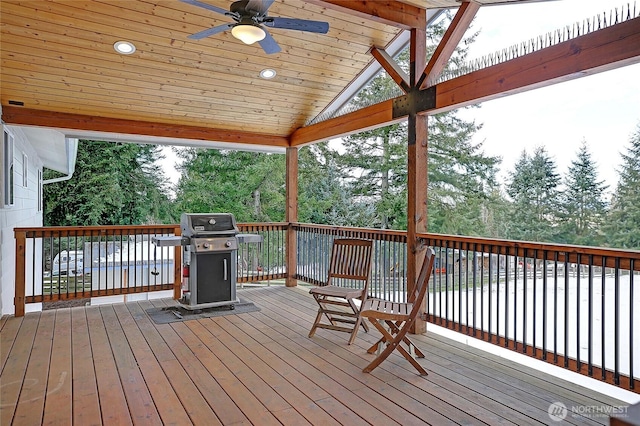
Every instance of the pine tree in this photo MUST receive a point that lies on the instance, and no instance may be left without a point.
(533, 188)
(623, 227)
(250, 185)
(323, 197)
(583, 204)
(113, 184)
(460, 175)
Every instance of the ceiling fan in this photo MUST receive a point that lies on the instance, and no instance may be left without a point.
(251, 18)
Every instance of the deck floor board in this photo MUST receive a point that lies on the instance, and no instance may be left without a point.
(112, 364)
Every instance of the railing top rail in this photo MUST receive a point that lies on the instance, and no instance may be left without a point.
(518, 247)
(97, 228)
(47, 231)
(346, 229)
(268, 225)
(79, 231)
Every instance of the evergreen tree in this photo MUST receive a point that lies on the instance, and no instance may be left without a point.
(250, 185)
(583, 204)
(375, 167)
(113, 184)
(533, 189)
(460, 175)
(323, 197)
(623, 228)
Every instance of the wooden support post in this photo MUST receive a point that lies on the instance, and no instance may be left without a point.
(177, 267)
(417, 175)
(291, 215)
(20, 281)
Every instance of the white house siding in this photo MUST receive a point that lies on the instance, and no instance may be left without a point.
(23, 213)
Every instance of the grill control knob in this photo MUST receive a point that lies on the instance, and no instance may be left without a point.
(205, 245)
(227, 244)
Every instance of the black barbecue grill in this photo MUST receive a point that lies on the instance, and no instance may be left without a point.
(210, 254)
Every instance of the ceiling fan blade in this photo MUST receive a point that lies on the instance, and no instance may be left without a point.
(269, 45)
(206, 6)
(298, 25)
(259, 5)
(211, 31)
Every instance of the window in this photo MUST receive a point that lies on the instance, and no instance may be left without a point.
(25, 170)
(7, 177)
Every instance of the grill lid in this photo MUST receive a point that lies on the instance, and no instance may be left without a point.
(208, 224)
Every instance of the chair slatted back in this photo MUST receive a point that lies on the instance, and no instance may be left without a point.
(351, 260)
(423, 281)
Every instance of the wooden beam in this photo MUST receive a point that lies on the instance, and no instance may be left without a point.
(291, 215)
(392, 68)
(389, 12)
(466, 12)
(34, 117)
(416, 178)
(357, 121)
(603, 50)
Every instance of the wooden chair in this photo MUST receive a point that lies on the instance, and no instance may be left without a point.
(347, 281)
(398, 317)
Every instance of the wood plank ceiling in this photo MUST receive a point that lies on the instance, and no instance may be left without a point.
(58, 58)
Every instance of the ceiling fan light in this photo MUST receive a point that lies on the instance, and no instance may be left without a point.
(248, 34)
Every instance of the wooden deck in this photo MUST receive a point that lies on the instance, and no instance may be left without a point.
(113, 365)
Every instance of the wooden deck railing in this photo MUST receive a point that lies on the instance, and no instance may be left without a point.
(64, 263)
(572, 306)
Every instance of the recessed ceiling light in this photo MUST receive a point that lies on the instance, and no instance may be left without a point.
(124, 47)
(267, 73)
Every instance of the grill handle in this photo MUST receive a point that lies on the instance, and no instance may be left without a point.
(224, 261)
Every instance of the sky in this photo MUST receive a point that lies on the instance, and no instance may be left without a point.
(602, 109)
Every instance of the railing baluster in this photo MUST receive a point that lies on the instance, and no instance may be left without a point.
(566, 313)
(497, 274)
(616, 325)
(459, 248)
(446, 281)
(631, 304)
(534, 342)
(507, 262)
(475, 268)
(555, 307)
(590, 325)
(515, 299)
(603, 332)
(578, 322)
(466, 285)
(544, 303)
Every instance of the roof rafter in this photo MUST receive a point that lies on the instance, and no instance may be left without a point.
(466, 12)
(392, 68)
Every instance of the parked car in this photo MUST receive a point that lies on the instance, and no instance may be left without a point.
(70, 263)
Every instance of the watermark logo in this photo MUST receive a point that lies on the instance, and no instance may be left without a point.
(557, 411)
